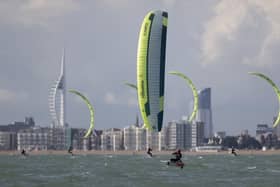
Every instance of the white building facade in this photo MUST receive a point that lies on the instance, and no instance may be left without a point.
(112, 139)
(8, 140)
(33, 139)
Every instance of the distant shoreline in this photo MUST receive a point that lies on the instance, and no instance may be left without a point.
(121, 152)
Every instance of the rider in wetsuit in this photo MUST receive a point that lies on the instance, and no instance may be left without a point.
(70, 150)
(23, 152)
(178, 156)
(233, 151)
(149, 152)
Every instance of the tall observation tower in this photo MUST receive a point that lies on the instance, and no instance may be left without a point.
(57, 97)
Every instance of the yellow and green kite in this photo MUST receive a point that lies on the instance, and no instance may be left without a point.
(151, 68)
(195, 94)
(276, 90)
(90, 110)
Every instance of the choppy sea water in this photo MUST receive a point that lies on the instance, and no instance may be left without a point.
(128, 170)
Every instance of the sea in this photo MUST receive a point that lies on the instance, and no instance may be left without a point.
(139, 171)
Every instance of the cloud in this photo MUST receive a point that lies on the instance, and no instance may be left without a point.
(121, 99)
(132, 101)
(10, 96)
(35, 12)
(110, 98)
(242, 31)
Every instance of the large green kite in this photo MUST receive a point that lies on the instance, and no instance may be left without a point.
(151, 68)
(195, 94)
(276, 90)
(90, 110)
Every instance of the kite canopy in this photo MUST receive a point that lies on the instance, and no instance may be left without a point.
(151, 68)
(276, 90)
(90, 110)
(194, 91)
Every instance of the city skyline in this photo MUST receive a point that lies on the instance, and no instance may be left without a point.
(101, 55)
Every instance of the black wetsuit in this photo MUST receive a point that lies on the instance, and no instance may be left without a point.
(149, 152)
(23, 152)
(70, 150)
(233, 152)
(178, 157)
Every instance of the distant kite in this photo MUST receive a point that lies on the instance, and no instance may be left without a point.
(90, 110)
(151, 68)
(131, 85)
(194, 91)
(276, 90)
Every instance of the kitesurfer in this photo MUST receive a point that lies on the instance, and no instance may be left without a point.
(70, 150)
(178, 156)
(233, 151)
(149, 152)
(23, 152)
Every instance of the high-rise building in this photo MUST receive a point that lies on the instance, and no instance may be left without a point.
(204, 113)
(178, 135)
(197, 133)
(57, 98)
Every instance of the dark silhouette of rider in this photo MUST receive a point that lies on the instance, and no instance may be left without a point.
(149, 152)
(178, 156)
(233, 151)
(70, 150)
(23, 152)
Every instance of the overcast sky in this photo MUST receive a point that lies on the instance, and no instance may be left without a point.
(215, 43)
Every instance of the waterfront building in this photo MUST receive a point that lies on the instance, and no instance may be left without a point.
(178, 135)
(277, 129)
(263, 129)
(130, 138)
(162, 139)
(137, 139)
(264, 132)
(8, 140)
(95, 140)
(153, 139)
(18, 125)
(33, 139)
(60, 138)
(204, 113)
(112, 139)
(220, 134)
(210, 148)
(78, 140)
(197, 133)
(141, 139)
